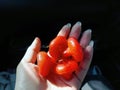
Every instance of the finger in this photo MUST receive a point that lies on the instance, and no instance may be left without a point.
(76, 30)
(31, 53)
(85, 39)
(84, 65)
(65, 30)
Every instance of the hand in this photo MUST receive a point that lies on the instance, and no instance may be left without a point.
(27, 77)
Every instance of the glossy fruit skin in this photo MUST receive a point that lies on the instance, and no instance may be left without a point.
(62, 58)
(44, 63)
(56, 47)
(74, 50)
(65, 67)
(67, 54)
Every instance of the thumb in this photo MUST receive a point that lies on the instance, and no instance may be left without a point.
(33, 49)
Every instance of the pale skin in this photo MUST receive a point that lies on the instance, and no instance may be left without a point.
(27, 77)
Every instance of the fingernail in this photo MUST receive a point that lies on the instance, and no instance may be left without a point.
(89, 30)
(91, 43)
(68, 25)
(35, 41)
(79, 23)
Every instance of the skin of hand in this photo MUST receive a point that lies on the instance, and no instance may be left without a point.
(27, 77)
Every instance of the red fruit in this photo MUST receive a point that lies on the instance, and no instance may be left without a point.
(65, 67)
(44, 63)
(57, 47)
(67, 76)
(62, 58)
(74, 50)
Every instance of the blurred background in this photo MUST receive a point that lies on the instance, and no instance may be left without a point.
(22, 20)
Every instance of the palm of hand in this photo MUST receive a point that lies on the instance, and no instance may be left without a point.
(27, 77)
(58, 83)
(34, 82)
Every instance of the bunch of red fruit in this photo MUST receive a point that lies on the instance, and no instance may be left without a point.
(62, 58)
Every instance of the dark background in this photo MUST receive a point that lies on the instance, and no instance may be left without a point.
(22, 20)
